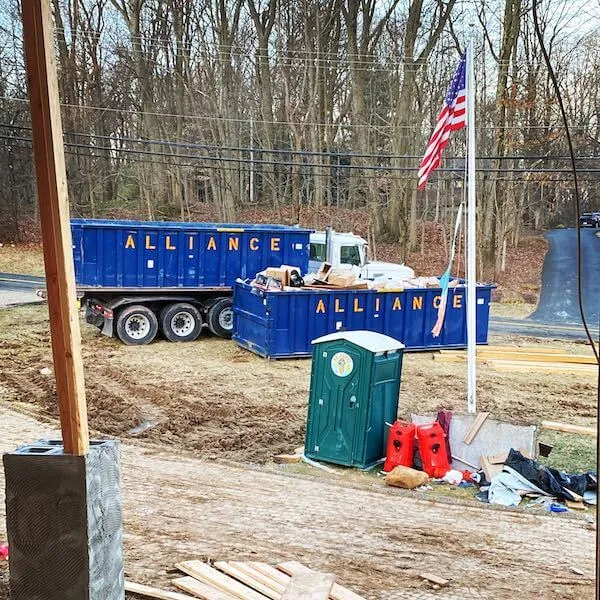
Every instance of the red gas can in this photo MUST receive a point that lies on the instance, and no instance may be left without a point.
(432, 447)
(400, 446)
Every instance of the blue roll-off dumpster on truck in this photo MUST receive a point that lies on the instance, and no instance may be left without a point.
(136, 278)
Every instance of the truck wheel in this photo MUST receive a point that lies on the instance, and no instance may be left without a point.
(137, 325)
(181, 322)
(220, 317)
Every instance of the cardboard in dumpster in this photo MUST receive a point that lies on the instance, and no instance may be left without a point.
(493, 438)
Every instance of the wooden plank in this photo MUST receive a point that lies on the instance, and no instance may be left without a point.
(567, 428)
(152, 592)
(475, 427)
(268, 580)
(434, 579)
(501, 348)
(270, 571)
(500, 365)
(337, 592)
(541, 357)
(485, 349)
(283, 459)
(490, 470)
(51, 179)
(249, 580)
(206, 574)
(200, 590)
(579, 505)
(551, 368)
(309, 586)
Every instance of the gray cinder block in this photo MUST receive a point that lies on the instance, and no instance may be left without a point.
(64, 522)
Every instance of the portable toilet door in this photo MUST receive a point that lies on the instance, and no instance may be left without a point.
(355, 381)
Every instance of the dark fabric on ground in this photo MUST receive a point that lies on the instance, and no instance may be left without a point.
(444, 417)
(550, 480)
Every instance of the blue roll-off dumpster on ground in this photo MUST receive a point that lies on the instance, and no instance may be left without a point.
(139, 278)
(283, 324)
(354, 386)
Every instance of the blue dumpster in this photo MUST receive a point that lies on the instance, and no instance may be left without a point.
(282, 324)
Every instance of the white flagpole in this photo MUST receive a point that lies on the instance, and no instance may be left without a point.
(471, 238)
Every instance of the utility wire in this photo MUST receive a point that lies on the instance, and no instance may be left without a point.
(333, 154)
(540, 37)
(339, 125)
(255, 161)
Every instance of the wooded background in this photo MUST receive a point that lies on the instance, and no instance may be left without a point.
(296, 106)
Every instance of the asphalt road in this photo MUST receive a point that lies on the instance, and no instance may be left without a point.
(539, 329)
(559, 303)
(18, 289)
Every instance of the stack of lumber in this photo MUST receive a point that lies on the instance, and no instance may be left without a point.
(520, 358)
(247, 581)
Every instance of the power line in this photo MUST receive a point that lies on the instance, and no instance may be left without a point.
(252, 162)
(235, 50)
(333, 126)
(286, 151)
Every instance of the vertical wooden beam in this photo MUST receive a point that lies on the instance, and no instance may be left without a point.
(54, 216)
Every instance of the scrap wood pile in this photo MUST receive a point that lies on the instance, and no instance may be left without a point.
(289, 279)
(514, 358)
(247, 581)
(479, 452)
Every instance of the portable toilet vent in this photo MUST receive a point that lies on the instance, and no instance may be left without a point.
(354, 386)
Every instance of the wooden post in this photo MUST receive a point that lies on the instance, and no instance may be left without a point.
(54, 216)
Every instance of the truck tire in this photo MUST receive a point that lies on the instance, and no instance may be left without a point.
(220, 317)
(137, 325)
(181, 322)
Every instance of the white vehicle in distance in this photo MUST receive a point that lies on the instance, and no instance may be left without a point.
(350, 252)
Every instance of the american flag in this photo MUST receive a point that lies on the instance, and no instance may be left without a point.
(452, 117)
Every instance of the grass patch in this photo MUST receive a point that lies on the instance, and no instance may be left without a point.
(22, 259)
(515, 310)
(571, 453)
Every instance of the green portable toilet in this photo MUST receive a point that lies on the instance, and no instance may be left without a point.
(354, 387)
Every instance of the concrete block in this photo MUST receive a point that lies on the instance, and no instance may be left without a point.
(493, 437)
(64, 522)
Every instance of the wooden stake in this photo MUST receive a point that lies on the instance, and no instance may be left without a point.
(54, 217)
(568, 428)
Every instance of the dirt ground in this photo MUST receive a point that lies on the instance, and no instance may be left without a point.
(212, 400)
(375, 539)
(215, 399)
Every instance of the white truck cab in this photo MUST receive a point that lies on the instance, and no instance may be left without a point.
(349, 251)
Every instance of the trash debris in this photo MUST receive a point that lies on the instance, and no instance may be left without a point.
(492, 438)
(46, 372)
(545, 449)
(521, 475)
(590, 497)
(288, 278)
(440, 581)
(318, 465)
(406, 477)
(577, 571)
(284, 459)
(453, 477)
(3, 551)
(145, 425)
